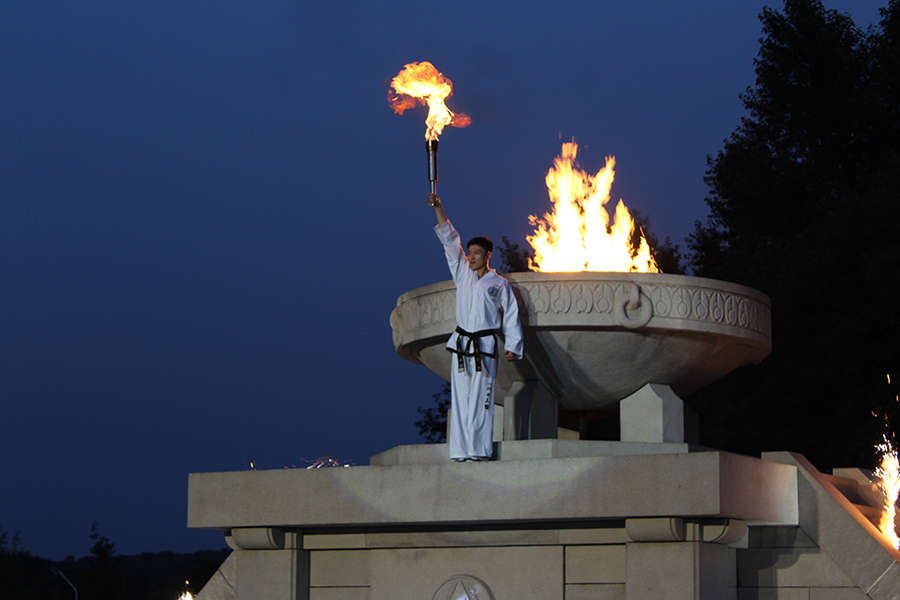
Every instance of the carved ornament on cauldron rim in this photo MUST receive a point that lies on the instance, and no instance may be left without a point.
(631, 304)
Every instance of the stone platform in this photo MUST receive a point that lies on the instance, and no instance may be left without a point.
(553, 520)
(703, 484)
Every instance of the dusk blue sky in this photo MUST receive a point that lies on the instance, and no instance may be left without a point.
(209, 210)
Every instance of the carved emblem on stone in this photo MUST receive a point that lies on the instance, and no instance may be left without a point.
(463, 587)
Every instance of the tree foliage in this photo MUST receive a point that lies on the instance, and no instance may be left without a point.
(432, 421)
(101, 578)
(513, 258)
(23, 576)
(805, 206)
(146, 576)
(666, 253)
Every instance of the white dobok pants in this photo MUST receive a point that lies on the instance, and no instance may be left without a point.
(471, 424)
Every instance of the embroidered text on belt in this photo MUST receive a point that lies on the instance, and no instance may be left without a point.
(468, 350)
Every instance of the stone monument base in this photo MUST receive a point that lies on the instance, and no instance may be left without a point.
(552, 520)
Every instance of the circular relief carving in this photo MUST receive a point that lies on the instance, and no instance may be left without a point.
(463, 587)
(632, 308)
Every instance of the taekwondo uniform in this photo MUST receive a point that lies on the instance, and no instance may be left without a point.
(484, 308)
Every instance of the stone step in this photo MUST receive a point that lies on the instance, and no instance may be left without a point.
(871, 513)
(848, 487)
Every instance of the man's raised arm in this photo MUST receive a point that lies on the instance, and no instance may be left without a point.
(434, 201)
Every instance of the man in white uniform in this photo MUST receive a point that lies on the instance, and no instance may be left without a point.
(485, 307)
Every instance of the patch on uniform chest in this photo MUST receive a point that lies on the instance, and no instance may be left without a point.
(493, 290)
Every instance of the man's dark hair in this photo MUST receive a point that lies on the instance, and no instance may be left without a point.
(482, 241)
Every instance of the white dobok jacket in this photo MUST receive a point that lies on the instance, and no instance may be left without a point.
(481, 304)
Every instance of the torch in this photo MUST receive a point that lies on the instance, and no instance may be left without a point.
(421, 83)
(431, 147)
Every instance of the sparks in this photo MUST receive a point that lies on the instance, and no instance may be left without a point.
(186, 595)
(889, 476)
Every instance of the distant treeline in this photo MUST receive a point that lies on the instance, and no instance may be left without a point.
(103, 575)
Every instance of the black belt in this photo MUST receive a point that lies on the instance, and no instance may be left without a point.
(467, 350)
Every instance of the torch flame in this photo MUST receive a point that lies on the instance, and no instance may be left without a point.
(422, 83)
(578, 236)
(889, 474)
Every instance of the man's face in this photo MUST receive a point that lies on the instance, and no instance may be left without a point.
(478, 257)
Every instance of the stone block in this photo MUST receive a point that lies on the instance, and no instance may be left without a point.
(842, 533)
(272, 574)
(721, 531)
(337, 541)
(773, 594)
(775, 490)
(520, 573)
(868, 491)
(413, 454)
(608, 487)
(345, 593)
(258, 538)
(595, 564)
(612, 591)
(529, 412)
(888, 585)
(788, 567)
(732, 566)
(806, 567)
(455, 539)
(567, 434)
(754, 567)
(779, 537)
(832, 593)
(652, 414)
(595, 535)
(563, 448)
(678, 570)
(339, 568)
(221, 585)
(660, 529)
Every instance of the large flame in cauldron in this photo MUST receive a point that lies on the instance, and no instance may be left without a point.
(578, 235)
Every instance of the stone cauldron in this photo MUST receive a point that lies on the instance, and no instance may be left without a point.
(593, 339)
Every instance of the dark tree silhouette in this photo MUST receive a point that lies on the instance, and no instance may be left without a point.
(432, 423)
(23, 576)
(101, 578)
(805, 206)
(513, 259)
(667, 254)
